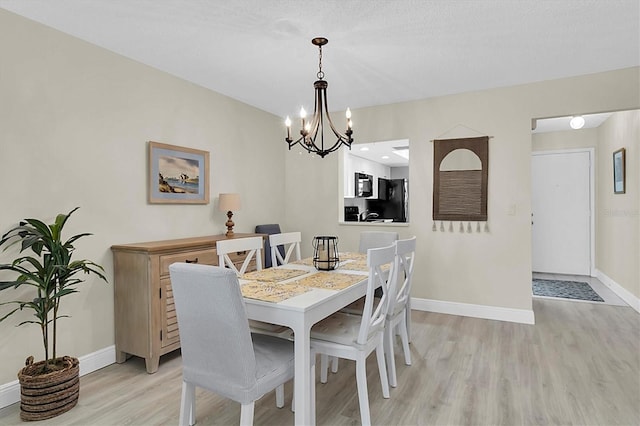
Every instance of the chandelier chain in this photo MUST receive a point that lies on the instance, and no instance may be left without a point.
(320, 74)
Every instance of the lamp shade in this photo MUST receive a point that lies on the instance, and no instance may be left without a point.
(229, 202)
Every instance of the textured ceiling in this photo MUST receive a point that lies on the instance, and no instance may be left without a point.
(379, 52)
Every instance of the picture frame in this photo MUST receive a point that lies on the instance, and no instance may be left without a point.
(177, 175)
(619, 178)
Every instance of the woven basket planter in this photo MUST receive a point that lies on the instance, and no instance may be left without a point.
(43, 396)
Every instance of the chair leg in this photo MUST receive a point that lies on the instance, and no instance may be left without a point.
(389, 337)
(404, 335)
(188, 404)
(382, 368)
(280, 396)
(334, 364)
(324, 366)
(363, 394)
(246, 414)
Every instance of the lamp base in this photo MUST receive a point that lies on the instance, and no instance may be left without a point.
(229, 224)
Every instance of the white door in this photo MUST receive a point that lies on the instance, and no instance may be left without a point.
(561, 207)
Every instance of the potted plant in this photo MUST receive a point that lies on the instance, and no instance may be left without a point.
(49, 387)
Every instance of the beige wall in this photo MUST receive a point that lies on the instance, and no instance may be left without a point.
(491, 269)
(618, 215)
(569, 139)
(74, 124)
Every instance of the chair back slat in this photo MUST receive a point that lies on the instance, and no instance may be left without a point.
(405, 255)
(252, 245)
(291, 241)
(373, 318)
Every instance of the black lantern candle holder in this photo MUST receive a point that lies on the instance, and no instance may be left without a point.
(325, 252)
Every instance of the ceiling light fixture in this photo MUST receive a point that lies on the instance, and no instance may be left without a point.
(577, 122)
(309, 130)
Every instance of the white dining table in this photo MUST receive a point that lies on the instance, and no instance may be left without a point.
(300, 313)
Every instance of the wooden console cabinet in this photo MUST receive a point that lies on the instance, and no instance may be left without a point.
(145, 316)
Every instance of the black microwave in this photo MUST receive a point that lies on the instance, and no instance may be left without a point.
(364, 185)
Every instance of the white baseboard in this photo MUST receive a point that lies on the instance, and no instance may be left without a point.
(476, 311)
(10, 392)
(622, 292)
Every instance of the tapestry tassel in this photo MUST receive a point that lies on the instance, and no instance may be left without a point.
(461, 228)
(441, 226)
(434, 228)
(450, 226)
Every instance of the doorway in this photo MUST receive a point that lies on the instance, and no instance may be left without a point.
(563, 225)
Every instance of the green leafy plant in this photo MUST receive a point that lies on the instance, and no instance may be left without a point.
(51, 272)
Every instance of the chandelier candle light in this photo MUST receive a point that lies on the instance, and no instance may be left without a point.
(309, 132)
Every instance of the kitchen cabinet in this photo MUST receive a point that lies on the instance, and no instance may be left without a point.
(145, 317)
(354, 164)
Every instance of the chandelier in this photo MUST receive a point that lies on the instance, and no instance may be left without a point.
(309, 137)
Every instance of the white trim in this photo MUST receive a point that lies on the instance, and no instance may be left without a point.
(622, 292)
(523, 316)
(10, 392)
(592, 198)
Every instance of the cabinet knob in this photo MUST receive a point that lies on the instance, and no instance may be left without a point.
(191, 261)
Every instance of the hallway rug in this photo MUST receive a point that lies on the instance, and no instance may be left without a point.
(565, 289)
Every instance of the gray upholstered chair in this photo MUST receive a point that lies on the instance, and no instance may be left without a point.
(399, 314)
(218, 351)
(355, 337)
(269, 229)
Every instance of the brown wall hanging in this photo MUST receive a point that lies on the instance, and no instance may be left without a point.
(460, 176)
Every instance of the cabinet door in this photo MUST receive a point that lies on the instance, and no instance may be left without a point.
(169, 332)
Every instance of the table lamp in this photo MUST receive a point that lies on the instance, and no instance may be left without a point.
(229, 203)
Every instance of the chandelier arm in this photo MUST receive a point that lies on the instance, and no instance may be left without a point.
(343, 138)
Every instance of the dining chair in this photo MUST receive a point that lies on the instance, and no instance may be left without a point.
(399, 312)
(368, 240)
(375, 239)
(269, 228)
(219, 353)
(252, 245)
(290, 242)
(355, 337)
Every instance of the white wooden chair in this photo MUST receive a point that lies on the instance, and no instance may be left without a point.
(368, 240)
(399, 306)
(218, 351)
(253, 245)
(376, 239)
(291, 243)
(355, 337)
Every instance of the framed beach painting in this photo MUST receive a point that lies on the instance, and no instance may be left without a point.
(618, 171)
(178, 175)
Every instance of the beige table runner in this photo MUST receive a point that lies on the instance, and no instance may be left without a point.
(273, 274)
(270, 291)
(329, 280)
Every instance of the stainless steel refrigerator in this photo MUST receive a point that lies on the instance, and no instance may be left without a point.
(392, 202)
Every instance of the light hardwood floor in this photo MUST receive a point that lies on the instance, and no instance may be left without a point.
(580, 365)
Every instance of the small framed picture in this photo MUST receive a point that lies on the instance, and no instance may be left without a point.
(619, 171)
(178, 175)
